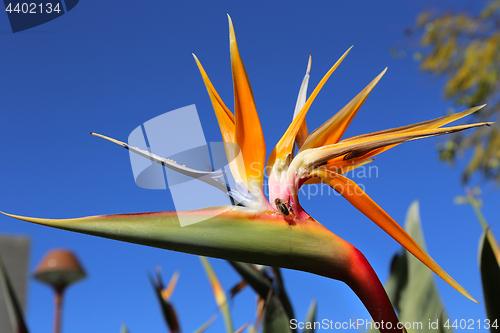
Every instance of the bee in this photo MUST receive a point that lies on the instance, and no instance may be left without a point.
(282, 206)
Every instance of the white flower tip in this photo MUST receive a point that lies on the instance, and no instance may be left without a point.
(308, 71)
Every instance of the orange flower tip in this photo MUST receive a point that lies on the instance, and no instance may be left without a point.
(198, 63)
(230, 23)
(466, 294)
(474, 109)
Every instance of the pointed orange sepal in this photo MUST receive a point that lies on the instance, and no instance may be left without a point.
(363, 146)
(285, 145)
(249, 136)
(332, 130)
(167, 292)
(434, 124)
(361, 201)
(224, 116)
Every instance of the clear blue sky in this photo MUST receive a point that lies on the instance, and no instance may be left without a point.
(107, 67)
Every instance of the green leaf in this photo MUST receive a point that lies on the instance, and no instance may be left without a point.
(251, 329)
(275, 320)
(398, 279)
(13, 307)
(275, 313)
(490, 277)
(311, 317)
(247, 235)
(282, 294)
(206, 325)
(124, 329)
(411, 286)
(259, 283)
(231, 233)
(219, 294)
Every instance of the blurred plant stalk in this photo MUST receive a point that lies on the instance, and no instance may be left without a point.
(476, 203)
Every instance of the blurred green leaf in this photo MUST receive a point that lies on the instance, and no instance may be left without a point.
(398, 279)
(13, 308)
(259, 283)
(311, 317)
(411, 286)
(124, 329)
(219, 294)
(490, 277)
(206, 325)
(276, 317)
(252, 329)
(282, 294)
(276, 320)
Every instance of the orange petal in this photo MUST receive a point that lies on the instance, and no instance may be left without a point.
(313, 180)
(361, 201)
(429, 124)
(249, 135)
(341, 167)
(237, 288)
(167, 292)
(349, 165)
(362, 146)
(225, 119)
(332, 130)
(224, 116)
(242, 328)
(285, 145)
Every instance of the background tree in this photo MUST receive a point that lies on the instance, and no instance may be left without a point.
(464, 47)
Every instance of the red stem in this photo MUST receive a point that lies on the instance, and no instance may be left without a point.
(367, 286)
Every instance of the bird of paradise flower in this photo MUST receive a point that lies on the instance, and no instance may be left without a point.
(277, 231)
